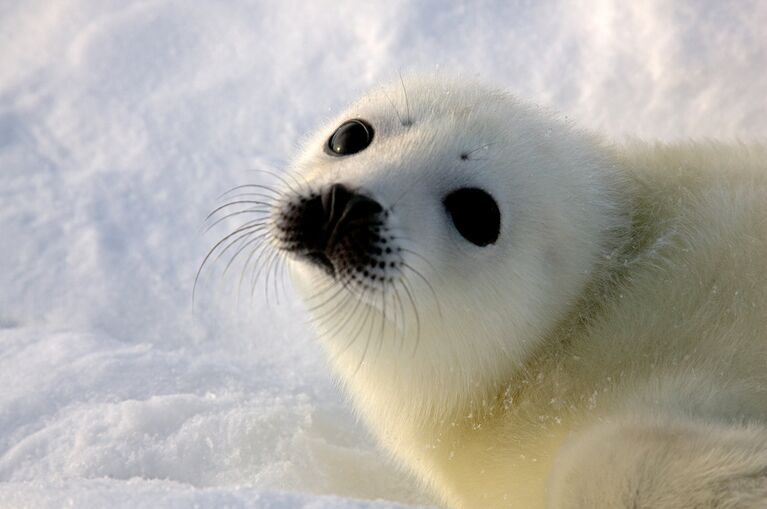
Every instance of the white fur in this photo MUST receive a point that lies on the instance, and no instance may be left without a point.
(617, 328)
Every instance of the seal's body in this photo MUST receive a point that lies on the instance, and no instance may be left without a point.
(528, 317)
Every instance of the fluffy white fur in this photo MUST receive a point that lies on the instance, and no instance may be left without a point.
(609, 350)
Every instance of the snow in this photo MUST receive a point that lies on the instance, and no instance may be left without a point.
(120, 125)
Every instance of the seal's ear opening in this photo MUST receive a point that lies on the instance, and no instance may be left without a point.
(475, 215)
(349, 138)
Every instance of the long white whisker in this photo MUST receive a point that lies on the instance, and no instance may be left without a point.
(215, 247)
(415, 312)
(428, 285)
(276, 194)
(246, 211)
(267, 206)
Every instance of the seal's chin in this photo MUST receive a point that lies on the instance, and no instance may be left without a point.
(321, 260)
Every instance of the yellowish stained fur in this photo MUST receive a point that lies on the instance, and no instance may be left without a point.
(634, 375)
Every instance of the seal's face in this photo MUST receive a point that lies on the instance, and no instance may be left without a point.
(444, 216)
(345, 231)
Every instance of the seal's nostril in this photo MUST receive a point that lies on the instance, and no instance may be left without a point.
(343, 206)
(362, 207)
(334, 201)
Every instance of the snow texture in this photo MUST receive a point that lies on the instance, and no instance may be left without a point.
(120, 125)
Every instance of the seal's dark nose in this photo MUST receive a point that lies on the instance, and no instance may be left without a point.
(331, 224)
(344, 208)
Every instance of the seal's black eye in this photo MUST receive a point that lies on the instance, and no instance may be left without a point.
(475, 215)
(351, 137)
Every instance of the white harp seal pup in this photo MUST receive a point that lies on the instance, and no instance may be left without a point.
(527, 316)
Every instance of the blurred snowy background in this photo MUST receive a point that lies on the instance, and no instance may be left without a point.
(121, 123)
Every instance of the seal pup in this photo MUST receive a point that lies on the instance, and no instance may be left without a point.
(527, 316)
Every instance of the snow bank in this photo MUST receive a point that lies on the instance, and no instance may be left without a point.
(120, 125)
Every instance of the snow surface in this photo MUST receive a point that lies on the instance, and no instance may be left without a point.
(120, 125)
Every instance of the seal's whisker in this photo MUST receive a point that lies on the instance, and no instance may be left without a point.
(423, 258)
(396, 112)
(280, 275)
(258, 195)
(281, 178)
(260, 248)
(324, 284)
(316, 307)
(243, 269)
(242, 237)
(481, 147)
(268, 263)
(275, 271)
(284, 273)
(383, 314)
(303, 184)
(257, 239)
(214, 248)
(339, 324)
(325, 313)
(368, 313)
(403, 316)
(426, 281)
(268, 206)
(281, 272)
(276, 194)
(415, 314)
(408, 120)
(320, 292)
(267, 269)
(346, 321)
(358, 305)
(368, 340)
(258, 267)
(232, 214)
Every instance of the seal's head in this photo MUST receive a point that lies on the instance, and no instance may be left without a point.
(438, 230)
